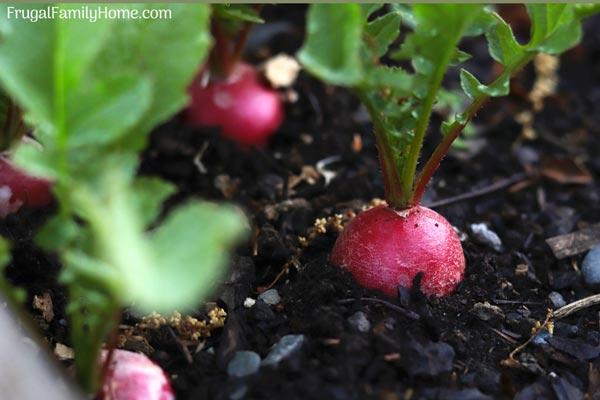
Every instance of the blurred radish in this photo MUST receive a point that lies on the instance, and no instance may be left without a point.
(133, 376)
(241, 105)
(17, 189)
(228, 93)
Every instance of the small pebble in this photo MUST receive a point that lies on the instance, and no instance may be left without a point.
(271, 297)
(243, 363)
(359, 321)
(488, 312)
(487, 237)
(591, 267)
(556, 299)
(284, 348)
(541, 336)
(249, 302)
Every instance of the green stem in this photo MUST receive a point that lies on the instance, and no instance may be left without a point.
(410, 165)
(391, 178)
(442, 148)
(62, 138)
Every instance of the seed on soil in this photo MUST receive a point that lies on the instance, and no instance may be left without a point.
(359, 321)
(286, 346)
(484, 235)
(271, 297)
(556, 299)
(243, 363)
(591, 267)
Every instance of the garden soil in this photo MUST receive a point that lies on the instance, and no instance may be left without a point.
(527, 174)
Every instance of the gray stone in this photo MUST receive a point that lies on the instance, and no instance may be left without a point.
(359, 321)
(243, 363)
(484, 235)
(556, 299)
(286, 346)
(488, 312)
(591, 267)
(271, 297)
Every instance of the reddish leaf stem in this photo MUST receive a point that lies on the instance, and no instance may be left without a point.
(240, 44)
(440, 151)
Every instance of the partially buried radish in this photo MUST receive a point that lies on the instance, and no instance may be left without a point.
(17, 189)
(133, 376)
(384, 248)
(241, 105)
(228, 93)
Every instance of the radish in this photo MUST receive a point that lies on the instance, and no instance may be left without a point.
(133, 376)
(350, 45)
(229, 93)
(245, 109)
(384, 248)
(17, 189)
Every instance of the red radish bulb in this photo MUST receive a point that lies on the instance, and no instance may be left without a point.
(133, 376)
(17, 188)
(384, 248)
(244, 109)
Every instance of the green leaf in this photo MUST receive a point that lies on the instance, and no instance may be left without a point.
(38, 162)
(148, 197)
(459, 57)
(64, 47)
(393, 78)
(59, 232)
(502, 44)
(586, 10)
(475, 89)
(481, 23)
(405, 10)
(107, 99)
(555, 27)
(237, 12)
(183, 274)
(369, 8)
(171, 267)
(334, 58)
(168, 53)
(383, 31)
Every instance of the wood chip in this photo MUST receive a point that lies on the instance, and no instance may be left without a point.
(63, 352)
(565, 171)
(521, 269)
(574, 243)
(281, 70)
(44, 304)
(577, 305)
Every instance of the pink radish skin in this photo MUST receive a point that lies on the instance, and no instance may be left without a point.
(244, 109)
(133, 376)
(18, 189)
(383, 249)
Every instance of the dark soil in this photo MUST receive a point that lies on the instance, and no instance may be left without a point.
(414, 348)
